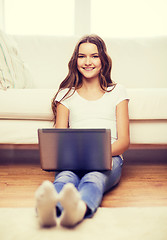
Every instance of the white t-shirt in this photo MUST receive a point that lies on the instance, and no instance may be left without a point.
(100, 113)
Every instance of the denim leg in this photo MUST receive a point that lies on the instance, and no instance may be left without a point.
(94, 184)
(113, 176)
(61, 179)
(65, 177)
(91, 188)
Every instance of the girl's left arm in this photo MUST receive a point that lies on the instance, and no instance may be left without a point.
(123, 138)
(62, 116)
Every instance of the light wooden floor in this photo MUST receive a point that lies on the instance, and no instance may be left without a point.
(141, 185)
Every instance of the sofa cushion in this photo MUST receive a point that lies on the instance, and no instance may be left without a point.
(36, 104)
(47, 57)
(13, 71)
(147, 103)
(26, 104)
(136, 62)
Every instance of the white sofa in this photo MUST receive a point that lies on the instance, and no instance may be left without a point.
(139, 64)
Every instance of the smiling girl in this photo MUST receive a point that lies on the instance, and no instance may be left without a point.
(87, 98)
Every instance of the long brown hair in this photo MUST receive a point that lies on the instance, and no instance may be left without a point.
(74, 77)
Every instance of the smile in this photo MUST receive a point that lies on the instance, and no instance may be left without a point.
(88, 68)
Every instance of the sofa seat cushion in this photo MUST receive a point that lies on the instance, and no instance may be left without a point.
(26, 104)
(147, 103)
(35, 104)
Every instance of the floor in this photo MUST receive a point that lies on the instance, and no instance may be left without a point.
(143, 182)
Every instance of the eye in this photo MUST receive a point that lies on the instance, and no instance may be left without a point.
(80, 56)
(96, 56)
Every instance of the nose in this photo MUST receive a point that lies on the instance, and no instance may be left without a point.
(88, 61)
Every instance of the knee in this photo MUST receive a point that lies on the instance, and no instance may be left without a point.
(66, 176)
(96, 178)
(117, 163)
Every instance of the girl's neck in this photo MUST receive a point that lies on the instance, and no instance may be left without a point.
(93, 84)
(90, 90)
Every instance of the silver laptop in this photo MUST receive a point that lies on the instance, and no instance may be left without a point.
(75, 149)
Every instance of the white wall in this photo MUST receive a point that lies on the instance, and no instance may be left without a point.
(107, 18)
(82, 17)
(2, 14)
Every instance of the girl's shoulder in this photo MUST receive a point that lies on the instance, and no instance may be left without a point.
(118, 93)
(66, 92)
(118, 88)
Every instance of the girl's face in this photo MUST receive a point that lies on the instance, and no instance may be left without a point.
(88, 62)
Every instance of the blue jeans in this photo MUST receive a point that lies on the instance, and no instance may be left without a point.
(91, 185)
